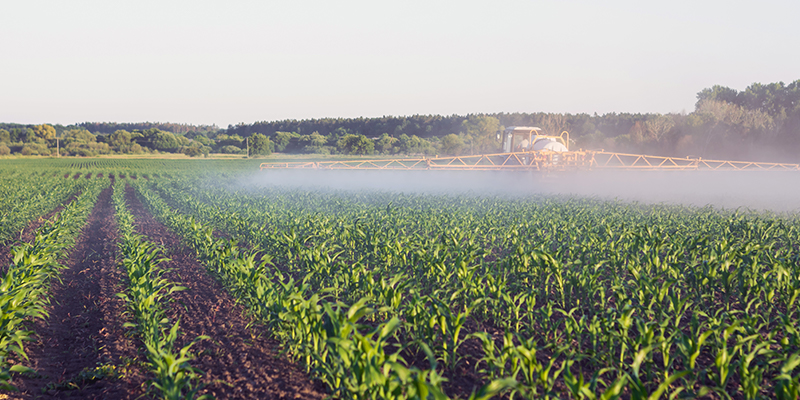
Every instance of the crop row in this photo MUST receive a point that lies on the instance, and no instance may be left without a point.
(148, 298)
(24, 287)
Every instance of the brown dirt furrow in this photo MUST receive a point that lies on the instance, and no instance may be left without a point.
(238, 361)
(84, 327)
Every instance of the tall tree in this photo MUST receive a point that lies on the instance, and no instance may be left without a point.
(165, 141)
(482, 133)
(355, 144)
(452, 144)
(260, 145)
(658, 127)
(44, 131)
(718, 93)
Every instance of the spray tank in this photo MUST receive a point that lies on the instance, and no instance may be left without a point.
(531, 138)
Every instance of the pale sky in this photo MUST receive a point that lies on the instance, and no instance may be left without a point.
(226, 62)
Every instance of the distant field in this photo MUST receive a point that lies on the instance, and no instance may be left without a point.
(170, 156)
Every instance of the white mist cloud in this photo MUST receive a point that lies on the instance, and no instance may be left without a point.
(757, 190)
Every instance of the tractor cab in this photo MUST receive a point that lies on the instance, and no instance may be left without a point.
(527, 138)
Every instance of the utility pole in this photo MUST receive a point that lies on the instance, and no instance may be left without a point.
(247, 140)
(58, 149)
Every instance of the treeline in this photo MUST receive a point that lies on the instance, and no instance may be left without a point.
(111, 127)
(760, 123)
(76, 141)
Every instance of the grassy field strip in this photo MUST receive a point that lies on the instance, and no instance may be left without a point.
(148, 296)
(124, 165)
(24, 288)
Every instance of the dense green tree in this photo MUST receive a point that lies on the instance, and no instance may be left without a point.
(229, 140)
(193, 151)
(315, 139)
(29, 136)
(355, 144)
(452, 145)
(78, 136)
(481, 131)
(165, 141)
(119, 138)
(260, 145)
(188, 130)
(81, 142)
(727, 130)
(5, 136)
(409, 144)
(776, 99)
(230, 150)
(35, 149)
(44, 131)
(340, 132)
(718, 93)
(386, 144)
(282, 139)
(122, 141)
(205, 141)
(315, 143)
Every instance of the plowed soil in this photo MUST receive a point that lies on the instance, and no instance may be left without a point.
(84, 327)
(239, 362)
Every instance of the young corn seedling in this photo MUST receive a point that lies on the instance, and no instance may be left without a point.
(449, 325)
(498, 363)
(788, 386)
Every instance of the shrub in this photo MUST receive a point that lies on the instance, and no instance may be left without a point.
(260, 145)
(355, 144)
(35, 149)
(192, 151)
(230, 149)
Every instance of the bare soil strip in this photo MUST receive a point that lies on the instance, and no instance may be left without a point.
(84, 329)
(238, 362)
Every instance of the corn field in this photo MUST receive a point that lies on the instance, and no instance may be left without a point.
(378, 294)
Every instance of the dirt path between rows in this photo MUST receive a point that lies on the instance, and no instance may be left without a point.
(238, 362)
(84, 328)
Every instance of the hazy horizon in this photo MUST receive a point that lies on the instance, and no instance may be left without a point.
(242, 62)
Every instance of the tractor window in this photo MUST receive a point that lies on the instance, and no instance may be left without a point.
(520, 142)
